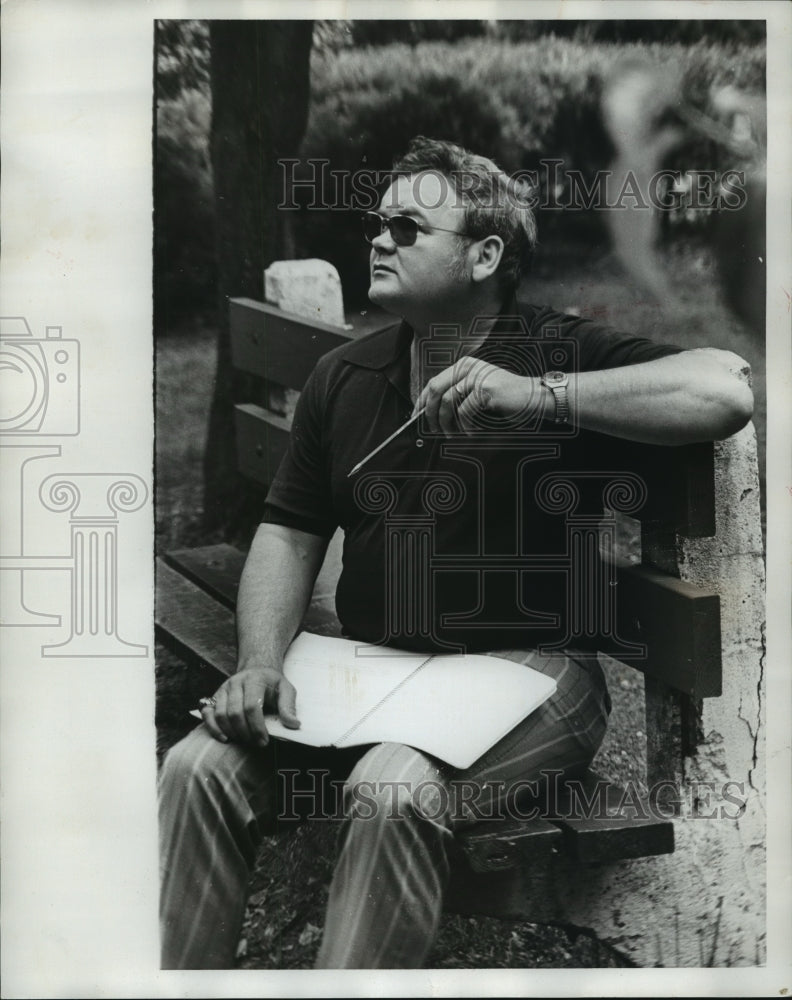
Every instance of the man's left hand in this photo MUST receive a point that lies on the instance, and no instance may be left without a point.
(470, 392)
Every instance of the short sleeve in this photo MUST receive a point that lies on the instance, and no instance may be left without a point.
(600, 347)
(277, 515)
(603, 347)
(300, 494)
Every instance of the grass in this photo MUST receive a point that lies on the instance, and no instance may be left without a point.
(289, 886)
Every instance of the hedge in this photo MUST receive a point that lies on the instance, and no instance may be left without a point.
(544, 91)
(519, 103)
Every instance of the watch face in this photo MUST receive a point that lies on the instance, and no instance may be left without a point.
(554, 377)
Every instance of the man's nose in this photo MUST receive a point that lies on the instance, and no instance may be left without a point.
(384, 242)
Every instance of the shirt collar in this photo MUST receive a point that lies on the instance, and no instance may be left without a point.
(388, 346)
(380, 349)
(508, 321)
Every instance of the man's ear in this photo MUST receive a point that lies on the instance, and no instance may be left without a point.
(487, 255)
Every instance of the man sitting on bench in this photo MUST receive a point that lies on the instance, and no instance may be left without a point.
(448, 246)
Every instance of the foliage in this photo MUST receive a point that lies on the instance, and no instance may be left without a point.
(375, 33)
(184, 251)
(520, 103)
(688, 32)
(544, 92)
(182, 49)
(382, 32)
(331, 36)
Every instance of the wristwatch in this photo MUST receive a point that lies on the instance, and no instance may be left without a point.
(557, 383)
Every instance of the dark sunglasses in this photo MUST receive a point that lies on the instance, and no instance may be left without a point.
(403, 228)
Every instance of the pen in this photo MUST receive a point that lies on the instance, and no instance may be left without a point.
(387, 440)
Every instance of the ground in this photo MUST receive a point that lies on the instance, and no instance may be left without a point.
(289, 887)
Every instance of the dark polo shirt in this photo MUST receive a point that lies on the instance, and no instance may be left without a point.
(449, 542)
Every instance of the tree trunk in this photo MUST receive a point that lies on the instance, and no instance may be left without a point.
(260, 93)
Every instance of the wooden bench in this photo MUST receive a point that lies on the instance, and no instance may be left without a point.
(675, 622)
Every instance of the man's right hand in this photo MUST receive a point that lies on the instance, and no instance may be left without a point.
(239, 704)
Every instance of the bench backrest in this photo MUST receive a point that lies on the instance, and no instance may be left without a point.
(282, 350)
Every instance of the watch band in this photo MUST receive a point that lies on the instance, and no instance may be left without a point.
(557, 383)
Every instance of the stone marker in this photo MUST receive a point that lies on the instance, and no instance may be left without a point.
(308, 288)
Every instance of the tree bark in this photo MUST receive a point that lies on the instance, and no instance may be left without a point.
(260, 77)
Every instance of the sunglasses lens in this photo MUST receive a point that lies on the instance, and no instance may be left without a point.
(404, 230)
(372, 226)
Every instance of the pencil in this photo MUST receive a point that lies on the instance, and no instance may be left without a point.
(387, 440)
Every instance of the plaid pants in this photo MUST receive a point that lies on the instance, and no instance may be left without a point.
(400, 810)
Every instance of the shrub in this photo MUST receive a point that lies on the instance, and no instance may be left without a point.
(545, 93)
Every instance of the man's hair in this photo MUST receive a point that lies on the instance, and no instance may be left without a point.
(495, 204)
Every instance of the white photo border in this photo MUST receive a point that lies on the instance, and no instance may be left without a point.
(79, 858)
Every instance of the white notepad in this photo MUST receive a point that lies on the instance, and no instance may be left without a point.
(452, 707)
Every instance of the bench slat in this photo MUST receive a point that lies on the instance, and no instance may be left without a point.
(203, 583)
(216, 569)
(276, 345)
(193, 623)
(492, 845)
(262, 439)
(678, 622)
(608, 829)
